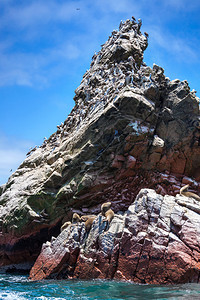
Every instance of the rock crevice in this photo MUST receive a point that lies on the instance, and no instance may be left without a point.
(146, 244)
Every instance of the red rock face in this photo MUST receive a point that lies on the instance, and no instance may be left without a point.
(14, 250)
(154, 241)
(61, 260)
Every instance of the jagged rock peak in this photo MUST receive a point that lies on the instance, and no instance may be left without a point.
(115, 66)
(121, 55)
(131, 128)
(126, 43)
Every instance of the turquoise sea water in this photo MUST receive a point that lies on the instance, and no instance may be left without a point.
(14, 287)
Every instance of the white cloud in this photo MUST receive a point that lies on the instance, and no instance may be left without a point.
(68, 50)
(12, 154)
(31, 69)
(183, 5)
(38, 13)
(176, 46)
(9, 158)
(24, 60)
(125, 6)
(38, 28)
(36, 50)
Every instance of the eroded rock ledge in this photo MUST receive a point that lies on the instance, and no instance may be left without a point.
(155, 241)
(131, 128)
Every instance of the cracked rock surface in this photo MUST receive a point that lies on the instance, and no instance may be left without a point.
(155, 241)
(131, 128)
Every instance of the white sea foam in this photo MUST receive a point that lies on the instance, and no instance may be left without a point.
(11, 296)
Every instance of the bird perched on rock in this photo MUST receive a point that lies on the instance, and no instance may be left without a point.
(139, 22)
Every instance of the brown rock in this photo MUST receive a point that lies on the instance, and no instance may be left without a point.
(153, 242)
(131, 161)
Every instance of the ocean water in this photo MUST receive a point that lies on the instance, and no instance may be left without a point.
(14, 287)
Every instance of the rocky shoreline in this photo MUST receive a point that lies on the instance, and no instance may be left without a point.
(155, 241)
(133, 139)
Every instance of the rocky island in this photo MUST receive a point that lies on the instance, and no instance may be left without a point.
(130, 144)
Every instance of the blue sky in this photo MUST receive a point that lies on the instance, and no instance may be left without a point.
(46, 47)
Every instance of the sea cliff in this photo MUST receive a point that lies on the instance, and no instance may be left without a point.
(132, 138)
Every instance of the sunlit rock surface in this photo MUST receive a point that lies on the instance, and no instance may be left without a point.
(131, 128)
(155, 241)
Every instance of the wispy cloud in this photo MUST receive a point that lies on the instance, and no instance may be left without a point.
(42, 41)
(179, 47)
(184, 5)
(33, 68)
(125, 6)
(37, 13)
(35, 48)
(39, 41)
(12, 154)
